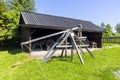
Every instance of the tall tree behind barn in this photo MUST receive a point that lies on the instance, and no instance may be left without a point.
(34, 25)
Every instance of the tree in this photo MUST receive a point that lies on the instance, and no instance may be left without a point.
(117, 28)
(23, 5)
(108, 30)
(3, 20)
(9, 16)
(102, 26)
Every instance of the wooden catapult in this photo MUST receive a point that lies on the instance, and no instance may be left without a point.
(76, 42)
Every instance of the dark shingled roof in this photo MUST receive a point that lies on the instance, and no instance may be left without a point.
(49, 21)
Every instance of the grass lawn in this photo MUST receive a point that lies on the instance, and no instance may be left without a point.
(99, 68)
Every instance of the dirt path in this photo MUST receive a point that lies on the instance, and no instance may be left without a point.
(22, 62)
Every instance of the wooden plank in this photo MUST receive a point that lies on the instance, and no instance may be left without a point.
(69, 46)
(83, 37)
(33, 40)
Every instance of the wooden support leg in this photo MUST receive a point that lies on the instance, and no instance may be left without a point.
(50, 56)
(29, 38)
(21, 47)
(27, 47)
(62, 52)
(81, 50)
(72, 54)
(85, 47)
(66, 36)
(76, 47)
(66, 48)
(89, 52)
(53, 47)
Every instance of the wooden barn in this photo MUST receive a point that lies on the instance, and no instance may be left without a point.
(34, 25)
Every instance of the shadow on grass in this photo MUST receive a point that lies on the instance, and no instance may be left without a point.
(62, 59)
(12, 51)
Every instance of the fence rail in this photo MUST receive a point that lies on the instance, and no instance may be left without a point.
(111, 39)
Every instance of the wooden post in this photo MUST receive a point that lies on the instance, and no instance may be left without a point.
(62, 52)
(81, 50)
(21, 47)
(76, 47)
(50, 56)
(72, 54)
(80, 30)
(30, 44)
(66, 48)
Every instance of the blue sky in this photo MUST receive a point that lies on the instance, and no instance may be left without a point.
(96, 11)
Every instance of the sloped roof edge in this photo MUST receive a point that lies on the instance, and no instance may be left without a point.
(56, 21)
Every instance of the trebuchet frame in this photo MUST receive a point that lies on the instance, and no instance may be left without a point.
(69, 33)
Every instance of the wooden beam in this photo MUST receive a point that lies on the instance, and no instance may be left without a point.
(47, 36)
(64, 46)
(76, 47)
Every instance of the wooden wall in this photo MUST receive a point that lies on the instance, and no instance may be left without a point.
(94, 37)
(25, 35)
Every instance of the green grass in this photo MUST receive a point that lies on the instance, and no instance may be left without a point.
(99, 68)
(117, 35)
(106, 45)
(9, 58)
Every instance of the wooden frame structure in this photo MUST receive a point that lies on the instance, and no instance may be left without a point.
(62, 43)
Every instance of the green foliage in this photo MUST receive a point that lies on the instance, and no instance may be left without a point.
(102, 26)
(117, 27)
(117, 35)
(9, 16)
(23, 5)
(3, 20)
(101, 67)
(107, 30)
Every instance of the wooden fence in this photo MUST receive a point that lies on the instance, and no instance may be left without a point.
(111, 39)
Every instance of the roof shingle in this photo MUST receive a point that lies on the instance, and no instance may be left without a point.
(57, 22)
